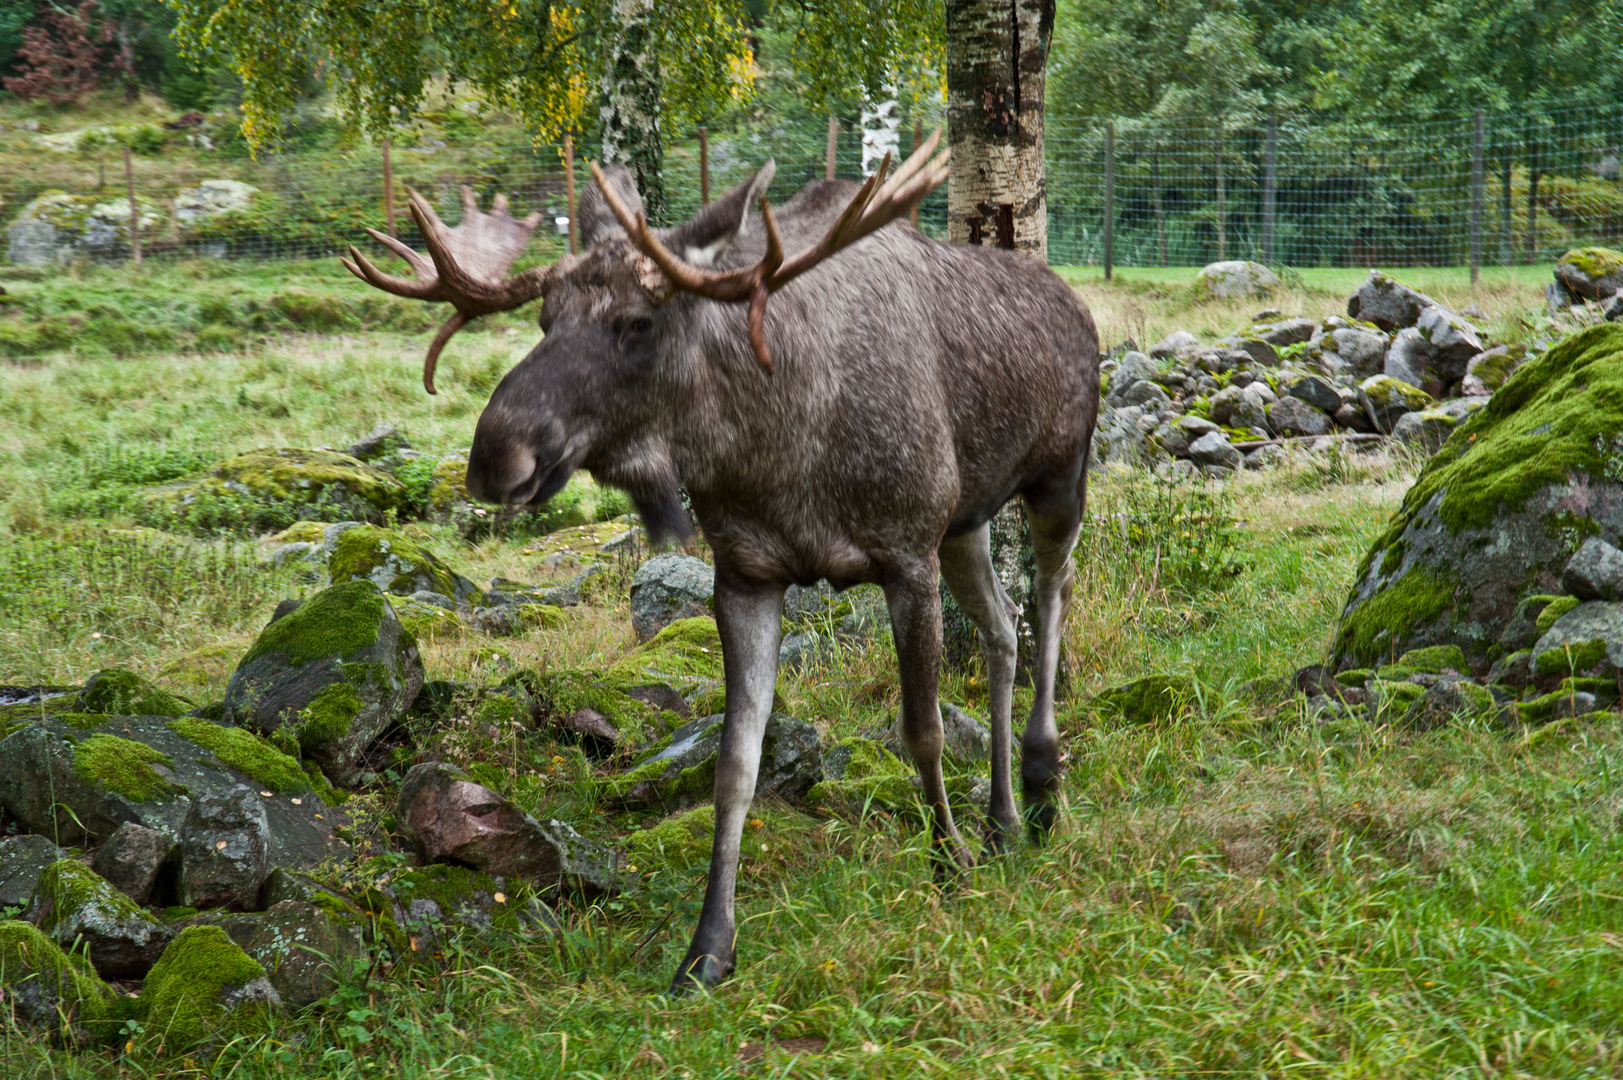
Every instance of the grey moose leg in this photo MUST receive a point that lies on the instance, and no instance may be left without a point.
(966, 565)
(1053, 538)
(750, 619)
(914, 600)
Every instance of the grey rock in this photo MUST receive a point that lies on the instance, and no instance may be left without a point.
(1451, 342)
(225, 851)
(1264, 457)
(1196, 426)
(434, 599)
(1214, 449)
(1174, 439)
(1557, 299)
(1317, 392)
(1362, 349)
(380, 442)
(22, 860)
(1388, 303)
(1409, 359)
(1296, 416)
(1353, 418)
(683, 770)
(667, 588)
(1513, 670)
(305, 950)
(1145, 393)
(587, 869)
(1595, 571)
(1488, 370)
(1236, 278)
(1134, 367)
(1286, 333)
(1429, 429)
(1595, 282)
(801, 649)
(42, 789)
(1174, 344)
(1385, 399)
(1256, 349)
(964, 738)
(1251, 409)
(1449, 699)
(1612, 310)
(77, 909)
(132, 858)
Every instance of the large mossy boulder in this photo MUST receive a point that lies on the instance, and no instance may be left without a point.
(78, 909)
(271, 487)
(204, 985)
(329, 677)
(1495, 515)
(79, 776)
(1593, 273)
(114, 690)
(394, 563)
(48, 991)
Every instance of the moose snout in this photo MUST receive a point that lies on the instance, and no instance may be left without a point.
(503, 474)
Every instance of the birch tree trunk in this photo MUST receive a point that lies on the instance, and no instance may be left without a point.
(630, 105)
(997, 56)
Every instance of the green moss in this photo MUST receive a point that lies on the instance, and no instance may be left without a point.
(338, 621)
(246, 752)
(1577, 656)
(1387, 618)
(1394, 672)
(1498, 367)
(1594, 262)
(301, 532)
(73, 888)
(1385, 392)
(125, 767)
(1148, 700)
(1435, 658)
(124, 693)
(87, 1004)
(323, 787)
(1394, 698)
(396, 563)
(687, 648)
(678, 842)
(328, 716)
(1558, 416)
(424, 621)
(562, 693)
(1558, 702)
(1393, 559)
(1557, 607)
(179, 1003)
(1354, 676)
(541, 616)
(83, 721)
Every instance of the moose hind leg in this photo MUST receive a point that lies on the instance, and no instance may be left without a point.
(750, 620)
(914, 599)
(966, 566)
(1053, 538)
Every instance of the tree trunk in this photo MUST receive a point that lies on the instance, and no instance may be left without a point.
(997, 56)
(630, 105)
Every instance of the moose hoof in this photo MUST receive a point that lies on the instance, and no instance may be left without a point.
(701, 972)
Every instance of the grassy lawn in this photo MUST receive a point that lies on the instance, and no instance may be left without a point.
(1236, 890)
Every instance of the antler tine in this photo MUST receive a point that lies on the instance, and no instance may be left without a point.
(424, 268)
(916, 160)
(735, 285)
(362, 268)
(456, 322)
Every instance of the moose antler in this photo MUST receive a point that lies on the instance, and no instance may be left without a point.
(466, 267)
(877, 204)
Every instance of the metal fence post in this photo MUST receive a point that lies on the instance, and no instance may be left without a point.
(388, 189)
(1110, 198)
(135, 212)
(704, 167)
(1222, 211)
(833, 145)
(1155, 198)
(569, 192)
(1269, 169)
(1476, 198)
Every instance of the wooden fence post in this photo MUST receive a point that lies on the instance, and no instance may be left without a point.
(135, 212)
(1476, 199)
(704, 167)
(388, 188)
(1269, 179)
(569, 192)
(1110, 197)
(833, 145)
(1222, 211)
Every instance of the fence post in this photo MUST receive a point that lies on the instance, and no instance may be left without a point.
(704, 167)
(1476, 199)
(1155, 196)
(918, 140)
(833, 145)
(135, 212)
(1269, 178)
(1222, 211)
(1506, 240)
(569, 192)
(388, 188)
(1110, 197)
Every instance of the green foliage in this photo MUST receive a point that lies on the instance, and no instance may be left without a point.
(1186, 534)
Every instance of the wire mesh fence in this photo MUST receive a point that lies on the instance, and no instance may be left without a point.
(1291, 191)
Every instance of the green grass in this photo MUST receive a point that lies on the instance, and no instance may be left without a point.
(1235, 891)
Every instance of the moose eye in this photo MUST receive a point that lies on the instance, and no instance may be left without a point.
(631, 329)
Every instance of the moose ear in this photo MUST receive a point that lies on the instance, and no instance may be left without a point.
(705, 239)
(597, 221)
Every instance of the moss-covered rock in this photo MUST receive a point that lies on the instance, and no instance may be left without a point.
(426, 622)
(1593, 273)
(587, 543)
(204, 985)
(305, 950)
(55, 993)
(1435, 659)
(685, 652)
(1496, 513)
(272, 487)
(561, 693)
(681, 770)
(1449, 700)
(77, 908)
(1387, 399)
(1149, 700)
(59, 778)
(859, 773)
(335, 673)
(1235, 279)
(114, 690)
(396, 564)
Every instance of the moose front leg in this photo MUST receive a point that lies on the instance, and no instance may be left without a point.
(914, 600)
(750, 619)
(1053, 538)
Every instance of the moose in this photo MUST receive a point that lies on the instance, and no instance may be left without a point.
(862, 427)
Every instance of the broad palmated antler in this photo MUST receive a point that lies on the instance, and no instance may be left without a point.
(466, 267)
(877, 204)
